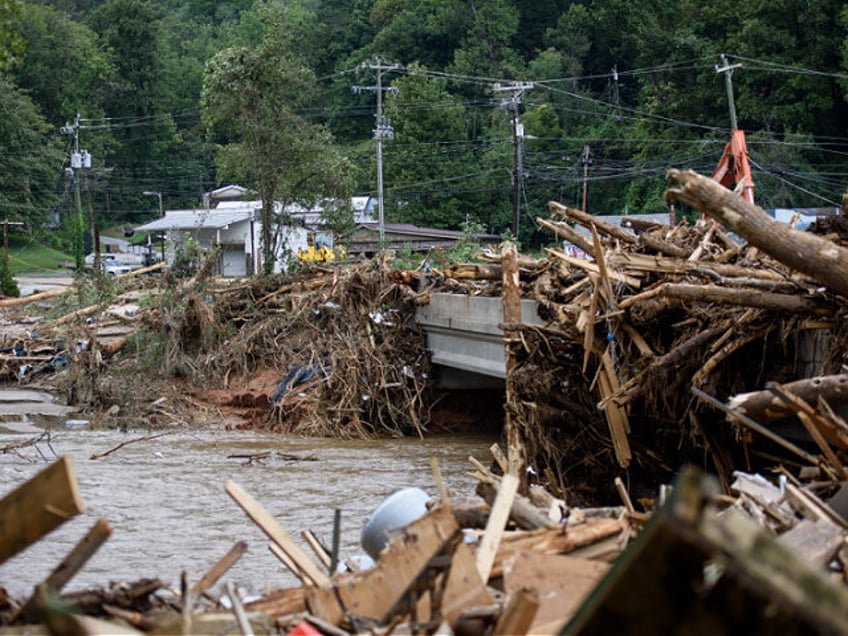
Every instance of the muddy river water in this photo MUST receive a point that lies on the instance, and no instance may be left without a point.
(165, 498)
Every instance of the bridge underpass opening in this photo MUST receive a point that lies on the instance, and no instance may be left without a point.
(466, 342)
(467, 402)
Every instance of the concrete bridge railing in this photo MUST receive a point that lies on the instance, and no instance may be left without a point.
(463, 333)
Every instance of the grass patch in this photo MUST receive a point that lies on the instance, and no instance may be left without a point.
(28, 255)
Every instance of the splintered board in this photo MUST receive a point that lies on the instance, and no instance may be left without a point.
(38, 507)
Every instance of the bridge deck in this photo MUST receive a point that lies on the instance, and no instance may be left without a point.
(463, 331)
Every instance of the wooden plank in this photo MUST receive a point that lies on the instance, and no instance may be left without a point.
(280, 602)
(616, 417)
(219, 568)
(518, 614)
(373, 593)
(276, 533)
(285, 559)
(562, 582)
(464, 588)
(313, 542)
(511, 297)
(72, 563)
(38, 507)
(816, 542)
(495, 525)
(561, 540)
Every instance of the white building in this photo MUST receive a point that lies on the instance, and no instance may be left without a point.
(232, 224)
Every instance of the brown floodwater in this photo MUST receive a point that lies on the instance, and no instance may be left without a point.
(165, 498)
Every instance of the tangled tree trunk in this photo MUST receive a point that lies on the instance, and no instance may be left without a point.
(804, 252)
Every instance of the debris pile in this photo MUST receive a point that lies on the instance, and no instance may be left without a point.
(649, 337)
(721, 344)
(336, 352)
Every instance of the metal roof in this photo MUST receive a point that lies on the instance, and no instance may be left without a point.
(199, 219)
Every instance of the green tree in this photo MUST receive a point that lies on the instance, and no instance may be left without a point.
(11, 40)
(250, 99)
(141, 121)
(32, 160)
(429, 152)
(487, 48)
(64, 68)
(8, 284)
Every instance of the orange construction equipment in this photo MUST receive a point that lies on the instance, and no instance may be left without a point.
(733, 168)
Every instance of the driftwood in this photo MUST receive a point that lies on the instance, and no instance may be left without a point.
(23, 300)
(565, 231)
(663, 264)
(587, 220)
(735, 296)
(39, 506)
(765, 405)
(71, 564)
(821, 259)
(144, 438)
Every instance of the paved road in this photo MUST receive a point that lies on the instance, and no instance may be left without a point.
(33, 284)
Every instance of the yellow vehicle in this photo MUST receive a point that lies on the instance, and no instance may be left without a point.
(319, 250)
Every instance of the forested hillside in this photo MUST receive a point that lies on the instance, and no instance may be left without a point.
(570, 101)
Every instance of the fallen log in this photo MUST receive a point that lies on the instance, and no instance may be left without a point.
(142, 270)
(765, 405)
(613, 231)
(823, 260)
(565, 231)
(735, 296)
(664, 264)
(23, 300)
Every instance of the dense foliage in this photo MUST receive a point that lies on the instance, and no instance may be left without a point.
(609, 95)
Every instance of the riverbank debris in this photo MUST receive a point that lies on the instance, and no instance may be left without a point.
(721, 344)
(603, 386)
(770, 555)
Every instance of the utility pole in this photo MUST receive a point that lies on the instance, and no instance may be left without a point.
(727, 69)
(79, 160)
(584, 159)
(733, 167)
(512, 104)
(152, 193)
(615, 91)
(6, 224)
(383, 129)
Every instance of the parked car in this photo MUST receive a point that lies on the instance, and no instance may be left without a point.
(115, 268)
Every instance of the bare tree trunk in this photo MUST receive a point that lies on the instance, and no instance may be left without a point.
(821, 259)
(764, 405)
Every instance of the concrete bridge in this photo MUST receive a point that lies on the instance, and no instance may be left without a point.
(466, 342)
